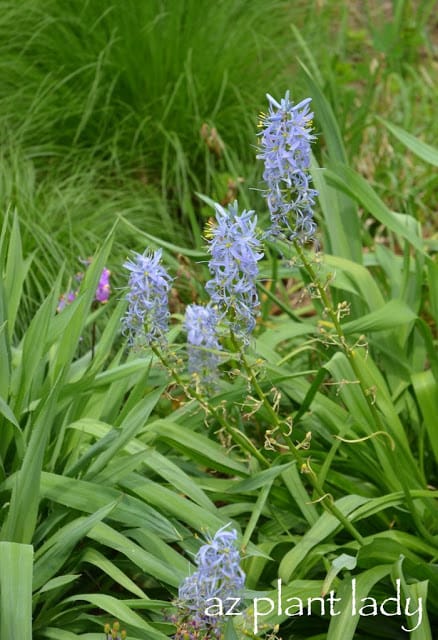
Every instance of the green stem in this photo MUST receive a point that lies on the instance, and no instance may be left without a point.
(239, 438)
(349, 352)
(324, 498)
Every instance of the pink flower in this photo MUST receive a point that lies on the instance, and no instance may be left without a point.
(102, 294)
(103, 288)
(65, 299)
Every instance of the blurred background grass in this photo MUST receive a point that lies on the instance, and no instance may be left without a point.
(129, 107)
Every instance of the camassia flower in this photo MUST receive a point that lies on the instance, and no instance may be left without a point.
(285, 147)
(235, 251)
(201, 323)
(218, 576)
(147, 317)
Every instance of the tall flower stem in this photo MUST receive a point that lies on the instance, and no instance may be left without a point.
(351, 356)
(239, 438)
(347, 349)
(323, 497)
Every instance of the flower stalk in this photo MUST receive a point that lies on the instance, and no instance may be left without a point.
(303, 464)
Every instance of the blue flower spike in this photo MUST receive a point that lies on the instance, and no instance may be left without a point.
(285, 147)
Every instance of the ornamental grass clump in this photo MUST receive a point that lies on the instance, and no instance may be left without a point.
(285, 148)
(235, 251)
(147, 317)
(217, 578)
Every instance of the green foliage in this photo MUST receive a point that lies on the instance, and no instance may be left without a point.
(90, 468)
(16, 590)
(102, 52)
(88, 135)
(108, 116)
(321, 445)
(53, 467)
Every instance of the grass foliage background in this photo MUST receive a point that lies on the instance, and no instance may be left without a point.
(107, 475)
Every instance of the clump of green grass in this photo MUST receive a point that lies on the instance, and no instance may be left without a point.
(102, 107)
(136, 80)
(66, 214)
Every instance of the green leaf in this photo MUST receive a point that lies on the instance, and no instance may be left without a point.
(168, 552)
(418, 627)
(340, 212)
(374, 505)
(281, 331)
(426, 391)
(358, 188)
(293, 480)
(7, 412)
(167, 500)
(98, 560)
(59, 581)
(68, 342)
(331, 202)
(372, 379)
(179, 480)
(350, 592)
(149, 457)
(33, 350)
(433, 288)
(326, 117)
(60, 634)
(88, 497)
(196, 446)
(54, 553)
(229, 631)
(103, 347)
(173, 248)
(16, 269)
(421, 149)
(393, 314)
(107, 377)
(344, 561)
(324, 527)
(256, 512)
(357, 278)
(16, 590)
(5, 348)
(418, 591)
(259, 479)
(119, 610)
(132, 424)
(147, 562)
(390, 542)
(316, 73)
(25, 499)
